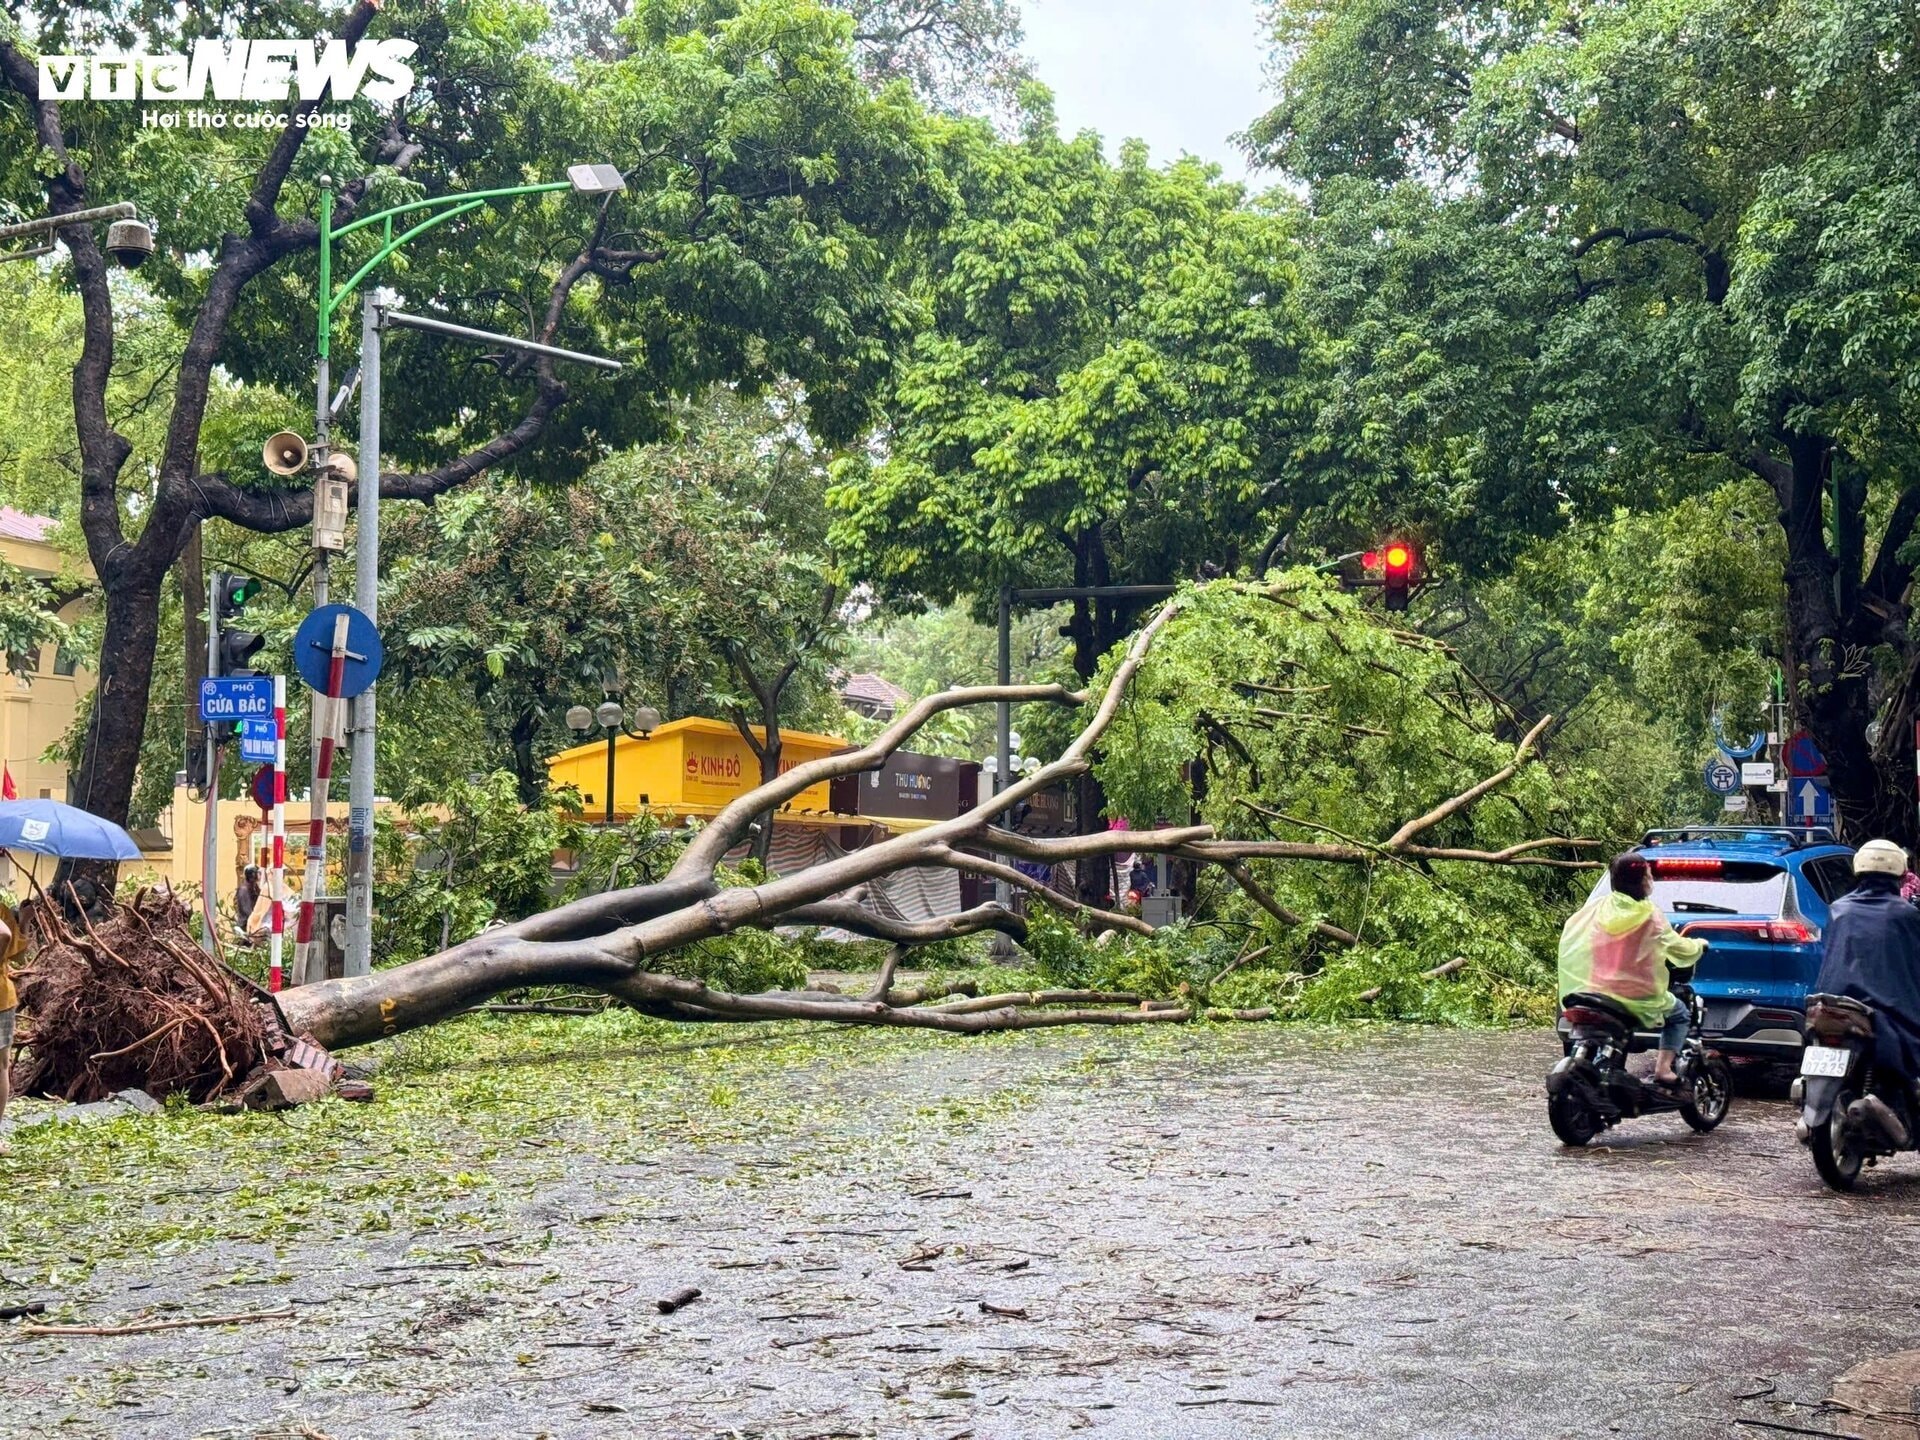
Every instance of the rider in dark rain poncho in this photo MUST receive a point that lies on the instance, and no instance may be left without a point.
(1872, 953)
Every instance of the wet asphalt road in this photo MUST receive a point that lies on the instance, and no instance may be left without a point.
(1252, 1232)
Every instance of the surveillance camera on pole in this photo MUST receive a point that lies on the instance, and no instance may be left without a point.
(130, 242)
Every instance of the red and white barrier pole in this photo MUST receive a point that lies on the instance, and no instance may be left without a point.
(325, 743)
(277, 873)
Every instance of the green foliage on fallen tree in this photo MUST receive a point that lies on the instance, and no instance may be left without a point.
(1295, 712)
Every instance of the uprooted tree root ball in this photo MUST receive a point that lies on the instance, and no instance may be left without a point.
(131, 1002)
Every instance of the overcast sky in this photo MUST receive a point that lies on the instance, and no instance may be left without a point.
(1179, 74)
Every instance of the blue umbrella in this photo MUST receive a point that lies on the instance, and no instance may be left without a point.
(46, 827)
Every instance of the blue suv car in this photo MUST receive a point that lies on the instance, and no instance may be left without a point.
(1759, 895)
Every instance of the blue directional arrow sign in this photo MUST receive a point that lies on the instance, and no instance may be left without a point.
(237, 697)
(1810, 801)
(313, 649)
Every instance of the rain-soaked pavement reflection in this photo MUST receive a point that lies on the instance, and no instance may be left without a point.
(1250, 1232)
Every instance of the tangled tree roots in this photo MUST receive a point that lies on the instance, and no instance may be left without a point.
(131, 1002)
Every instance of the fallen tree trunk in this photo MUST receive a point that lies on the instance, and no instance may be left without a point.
(614, 943)
(607, 942)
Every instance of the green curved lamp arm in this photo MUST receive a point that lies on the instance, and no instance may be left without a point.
(446, 206)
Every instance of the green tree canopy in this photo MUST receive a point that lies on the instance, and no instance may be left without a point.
(1107, 392)
(690, 575)
(1646, 247)
(768, 188)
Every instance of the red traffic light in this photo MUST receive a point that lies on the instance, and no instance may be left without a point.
(1399, 557)
(1370, 559)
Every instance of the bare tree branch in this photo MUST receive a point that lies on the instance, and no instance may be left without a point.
(730, 825)
(845, 915)
(980, 865)
(1466, 797)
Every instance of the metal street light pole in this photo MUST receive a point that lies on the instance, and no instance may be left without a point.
(366, 595)
(377, 313)
(612, 735)
(610, 717)
(582, 179)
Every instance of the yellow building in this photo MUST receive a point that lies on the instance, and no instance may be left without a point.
(689, 767)
(40, 692)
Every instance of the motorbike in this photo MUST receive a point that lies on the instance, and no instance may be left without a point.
(1591, 1089)
(1845, 1100)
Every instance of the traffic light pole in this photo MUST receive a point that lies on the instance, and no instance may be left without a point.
(209, 833)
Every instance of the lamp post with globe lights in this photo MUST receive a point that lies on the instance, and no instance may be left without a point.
(611, 717)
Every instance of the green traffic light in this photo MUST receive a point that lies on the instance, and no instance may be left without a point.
(241, 589)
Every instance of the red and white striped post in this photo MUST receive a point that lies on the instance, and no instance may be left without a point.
(277, 873)
(325, 743)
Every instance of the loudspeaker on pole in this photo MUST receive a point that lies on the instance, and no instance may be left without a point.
(285, 453)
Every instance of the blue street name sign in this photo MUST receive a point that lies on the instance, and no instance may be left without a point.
(237, 697)
(256, 741)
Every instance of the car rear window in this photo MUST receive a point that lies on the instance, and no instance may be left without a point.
(1684, 886)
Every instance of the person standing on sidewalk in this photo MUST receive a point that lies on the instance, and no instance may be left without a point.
(13, 944)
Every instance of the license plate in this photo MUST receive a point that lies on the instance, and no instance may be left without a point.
(1827, 1060)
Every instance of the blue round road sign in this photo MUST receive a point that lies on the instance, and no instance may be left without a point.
(313, 649)
(1721, 777)
(1803, 755)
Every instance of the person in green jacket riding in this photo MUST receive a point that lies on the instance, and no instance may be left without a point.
(1619, 945)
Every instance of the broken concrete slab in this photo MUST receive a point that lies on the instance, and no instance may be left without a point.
(283, 1089)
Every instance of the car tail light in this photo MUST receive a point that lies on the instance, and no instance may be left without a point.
(1778, 932)
(1679, 867)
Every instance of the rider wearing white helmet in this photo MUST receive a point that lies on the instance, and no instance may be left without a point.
(1872, 953)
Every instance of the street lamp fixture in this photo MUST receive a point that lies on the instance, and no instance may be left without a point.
(595, 179)
(611, 718)
(581, 179)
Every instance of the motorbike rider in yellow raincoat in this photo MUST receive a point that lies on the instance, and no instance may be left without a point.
(1619, 945)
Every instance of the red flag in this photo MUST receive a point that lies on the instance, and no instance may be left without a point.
(7, 791)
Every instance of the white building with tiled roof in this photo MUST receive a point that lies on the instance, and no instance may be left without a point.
(873, 696)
